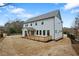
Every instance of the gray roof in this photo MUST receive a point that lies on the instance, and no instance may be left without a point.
(30, 28)
(44, 16)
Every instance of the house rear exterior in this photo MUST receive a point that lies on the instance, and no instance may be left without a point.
(49, 24)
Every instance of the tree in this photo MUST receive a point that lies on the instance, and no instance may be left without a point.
(76, 27)
(14, 27)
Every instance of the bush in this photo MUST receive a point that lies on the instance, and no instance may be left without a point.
(64, 33)
(14, 27)
(1, 35)
(71, 36)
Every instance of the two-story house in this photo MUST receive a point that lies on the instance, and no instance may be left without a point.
(48, 24)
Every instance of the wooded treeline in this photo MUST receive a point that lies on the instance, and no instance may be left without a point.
(13, 27)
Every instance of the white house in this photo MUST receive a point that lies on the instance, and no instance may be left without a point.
(49, 24)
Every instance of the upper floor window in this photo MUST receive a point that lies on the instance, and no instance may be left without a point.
(60, 31)
(26, 24)
(61, 21)
(78, 24)
(55, 31)
(42, 23)
(31, 24)
(36, 23)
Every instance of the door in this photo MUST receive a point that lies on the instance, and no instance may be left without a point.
(32, 32)
(25, 33)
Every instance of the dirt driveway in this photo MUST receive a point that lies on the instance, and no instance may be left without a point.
(16, 45)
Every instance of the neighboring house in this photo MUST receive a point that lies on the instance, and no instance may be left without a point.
(49, 24)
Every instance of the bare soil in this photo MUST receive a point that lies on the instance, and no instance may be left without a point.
(15, 45)
(76, 48)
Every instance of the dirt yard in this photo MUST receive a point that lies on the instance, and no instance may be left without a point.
(16, 45)
(76, 48)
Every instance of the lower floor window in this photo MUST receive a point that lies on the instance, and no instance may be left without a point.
(48, 32)
(37, 32)
(43, 32)
(40, 32)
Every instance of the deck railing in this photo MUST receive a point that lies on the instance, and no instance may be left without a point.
(40, 38)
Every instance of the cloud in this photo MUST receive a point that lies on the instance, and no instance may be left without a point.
(70, 6)
(2, 4)
(0, 11)
(75, 11)
(39, 1)
(25, 15)
(18, 12)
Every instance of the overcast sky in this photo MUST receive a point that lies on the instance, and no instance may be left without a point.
(24, 11)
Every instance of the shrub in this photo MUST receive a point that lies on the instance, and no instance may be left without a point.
(71, 36)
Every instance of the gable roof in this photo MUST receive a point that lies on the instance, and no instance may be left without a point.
(44, 16)
(29, 28)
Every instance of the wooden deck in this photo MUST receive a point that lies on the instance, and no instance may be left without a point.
(40, 38)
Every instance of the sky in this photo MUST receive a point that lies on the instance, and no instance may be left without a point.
(24, 11)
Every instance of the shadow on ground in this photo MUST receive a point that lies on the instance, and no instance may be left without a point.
(1, 40)
(75, 45)
(76, 48)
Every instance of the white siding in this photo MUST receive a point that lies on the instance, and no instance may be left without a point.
(52, 24)
(58, 28)
(48, 25)
(23, 32)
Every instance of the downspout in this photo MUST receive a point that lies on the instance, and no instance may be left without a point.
(54, 27)
(62, 28)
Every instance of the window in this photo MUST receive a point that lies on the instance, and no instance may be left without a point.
(40, 32)
(31, 24)
(48, 32)
(43, 32)
(78, 24)
(37, 32)
(60, 30)
(26, 25)
(36, 23)
(55, 31)
(59, 22)
(42, 23)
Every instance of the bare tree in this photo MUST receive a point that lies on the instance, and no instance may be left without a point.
(14, 27)
(76, 27)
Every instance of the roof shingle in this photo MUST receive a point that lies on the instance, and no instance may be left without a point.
(44, 16)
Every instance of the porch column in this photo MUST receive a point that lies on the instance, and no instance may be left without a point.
(45, 32)
(23, 33)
